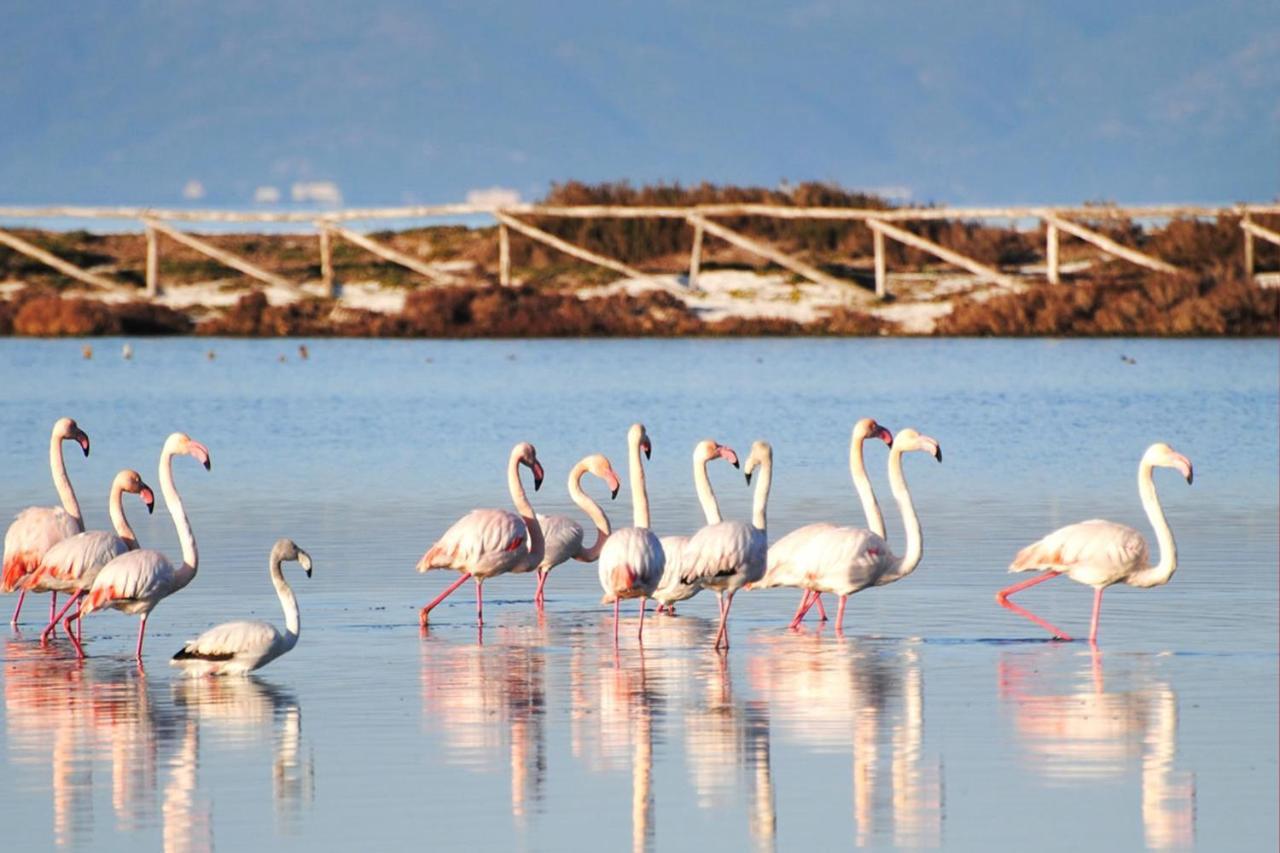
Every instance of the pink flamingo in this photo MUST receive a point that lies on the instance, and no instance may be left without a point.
(783, 567)
(1100, 553)
(37, 528)
(671, 588)
(135, 582)
(632, 560)
(846, 560)
(72, 564)
(727, 556)
(562, 536)
(488, 542)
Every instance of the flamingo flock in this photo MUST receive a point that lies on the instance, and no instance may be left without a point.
(48, 550)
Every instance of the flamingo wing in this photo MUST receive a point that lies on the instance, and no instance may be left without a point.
(483, 542)
(719, 551)
(563, 537)
(33, 532)
(244, 638)
(1094, 552)
(844, 560)
(143, 576)
(631, 564)
(74, 562)
(671, 588)
(786, 562)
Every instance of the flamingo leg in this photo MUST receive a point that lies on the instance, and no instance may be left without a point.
(53, 607)
(142, 628)
(644, 602)
(538, 598)
(44, 635)
(661, 607)
(616, 602)
(801, 609)
(14, 619)
(723, 633)
(423, 614)
(479, 602)
(840, 615)
(72, 637)
(1002, 598)
(1097, 610)
(822, 611)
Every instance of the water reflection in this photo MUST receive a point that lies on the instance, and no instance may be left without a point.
(90, 718)
(1087, 733)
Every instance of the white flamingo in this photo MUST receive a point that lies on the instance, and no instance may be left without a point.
(563, 537)
(671, 588)
(137, 581)
(489, 542)
(632, 560)
(36, 529)
(72, 564)
(727, 556)
(237, 648)
(1101, 553)
(846, 560)
(783, 568)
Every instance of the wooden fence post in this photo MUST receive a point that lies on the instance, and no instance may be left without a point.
(695, 256)
(882, 274)
(153, 263)
(948, 255)
(1051, 253)
(1106, 244)
(1248, 245)
(16, 243)
(504, 255)
(326, 259)
(221, 255)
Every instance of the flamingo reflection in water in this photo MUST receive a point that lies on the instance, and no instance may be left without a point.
(1085, 734)
(819, 691)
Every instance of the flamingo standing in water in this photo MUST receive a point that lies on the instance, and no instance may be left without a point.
(562, 536)
(784, 569)
(72, 564)
(727, 556)
(671, 588)
(632, 560)
(38, 528)
(1100, 553)
(137, 581)
(846, 560)
(488, 542)
(237, 648)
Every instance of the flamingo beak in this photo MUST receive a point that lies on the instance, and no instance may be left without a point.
(934, 448)
(646, 447)
(148, 498)
(884, 435)
(748, 476)
(1183, 464)
(304, 559)
(537, 475)
(82, 438)
(614, 485)
(201, 454)
(727, 453)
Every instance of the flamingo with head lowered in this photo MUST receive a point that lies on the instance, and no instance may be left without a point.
(135, 582)
(72, 565)
(38, 528)
(846, 560)
(237, 648)
(489, 542)
(562, 536)
(672, 588)
(785, 565)
(727, 556)
(1101, 553)
(632, 560)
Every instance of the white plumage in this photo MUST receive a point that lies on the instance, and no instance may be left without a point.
(632, 559)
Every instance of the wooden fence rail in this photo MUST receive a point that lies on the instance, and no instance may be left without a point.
(884, 224)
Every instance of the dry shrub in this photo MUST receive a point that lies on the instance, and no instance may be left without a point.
(146, 318)
(46, 316)
(253, 316)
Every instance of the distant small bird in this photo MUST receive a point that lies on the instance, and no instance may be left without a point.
(1128, 359)
(127, 351)
(303, 352)
(86, 351)
(210, 355)
(283, 358)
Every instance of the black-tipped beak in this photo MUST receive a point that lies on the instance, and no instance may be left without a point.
(648, 451)
(748, 476)
(885, 436)
(937, 454)
(614, 494)
(1190, 476)
(148, 498)
(305, 560)
(537, 476)
(83, 439)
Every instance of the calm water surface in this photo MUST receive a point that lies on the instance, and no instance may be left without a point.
(937, 720)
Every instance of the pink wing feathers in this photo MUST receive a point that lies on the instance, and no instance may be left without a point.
(484, 542)
(138, 577)
(631, 564)
(73, 563)
(33, 532)
(1094, 552)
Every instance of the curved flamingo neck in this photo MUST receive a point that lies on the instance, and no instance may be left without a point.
(62, 482)
(593, 510)
(761, 501)
(172, 500)
(1162, 571)
(706, 496)
(861, 482)
(292, 620)
(901, 494)
(115, 508)
(639, 491)
(520, 500)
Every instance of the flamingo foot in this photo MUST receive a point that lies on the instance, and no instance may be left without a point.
(13, 620)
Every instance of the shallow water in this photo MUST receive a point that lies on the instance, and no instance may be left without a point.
(938, 719)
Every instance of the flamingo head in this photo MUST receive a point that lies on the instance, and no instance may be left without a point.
(526, 454)
(1165, 456)
(66, 429)
(707, 449)
(130, 481)
(287, 549)
(908, 440)
(868, 428)
(761, 453)
(181, 443)
(599, 465)
(638, 437)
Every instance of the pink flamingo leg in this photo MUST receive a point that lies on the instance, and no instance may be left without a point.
(822, 611)
(1097, 610)
(644, 602)
(661, 607)
(615, 622)
(53, 606)
(14, 619)
(142, 628)
(538, 598)
(723, 633)
(840, 615)
(801, 609)
(44, 635)
(423, 614)
(479, 602)
(1002, 598)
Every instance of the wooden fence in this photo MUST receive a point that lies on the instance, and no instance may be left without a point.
(884, 224)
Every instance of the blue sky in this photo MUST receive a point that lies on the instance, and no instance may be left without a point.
(391, 102)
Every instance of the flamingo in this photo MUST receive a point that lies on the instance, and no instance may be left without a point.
(671, 589)
(632, 560)
(488, 542)
(237, 648)
(729, 555)
(563, 537)
(1100, 553)
(783, 568)
(72, 564)
(846, 560)
(37, 528)
(137, 581)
